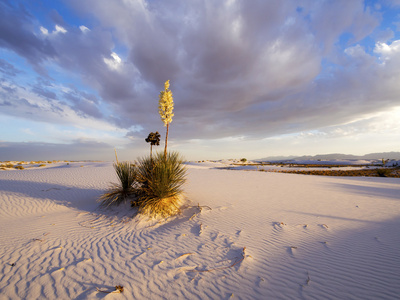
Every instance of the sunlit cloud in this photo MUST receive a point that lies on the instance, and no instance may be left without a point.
(84, 28)
(59, 28)
(240, 71)
(44, 30)
(114, 62)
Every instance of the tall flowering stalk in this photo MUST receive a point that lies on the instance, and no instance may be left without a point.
(165, 108)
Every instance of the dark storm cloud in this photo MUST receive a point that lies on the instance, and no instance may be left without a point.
(244, 68)
(237, 68)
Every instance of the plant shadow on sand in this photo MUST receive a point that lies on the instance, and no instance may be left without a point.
(81, 199)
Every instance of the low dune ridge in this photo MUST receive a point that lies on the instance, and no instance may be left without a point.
(241, 235)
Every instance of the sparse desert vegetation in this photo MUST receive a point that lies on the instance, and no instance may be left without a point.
(377, 172)
(153, 184)
(119, 192)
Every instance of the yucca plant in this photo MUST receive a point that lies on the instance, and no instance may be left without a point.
(125, 188)
(160, 180)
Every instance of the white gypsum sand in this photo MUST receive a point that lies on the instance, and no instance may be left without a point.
(266, 236)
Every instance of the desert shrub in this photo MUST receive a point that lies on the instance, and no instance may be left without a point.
(9, 165)
(243, 160)
(383, 172)
(42, 165)
(160, 181)
(19, 167)
(125, 188)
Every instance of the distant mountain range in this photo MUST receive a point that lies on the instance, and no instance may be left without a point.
(385, 155)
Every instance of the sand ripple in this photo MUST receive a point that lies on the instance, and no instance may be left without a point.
(262, 239)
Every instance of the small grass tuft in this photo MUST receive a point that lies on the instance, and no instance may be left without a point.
(125, 188)
(383, 172)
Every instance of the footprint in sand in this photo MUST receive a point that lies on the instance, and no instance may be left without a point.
(222, 208)
(260, 281)
(324, 226)
(292, 250)
(278, 225)
(198, 229)
(180, 236)
(215, 236)
(305, 226)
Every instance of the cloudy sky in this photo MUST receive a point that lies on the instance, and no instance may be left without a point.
(251, 79)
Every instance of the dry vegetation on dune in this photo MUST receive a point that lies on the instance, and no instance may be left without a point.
(379, 172)
(153, 184)
(356, 170)
(21, 165)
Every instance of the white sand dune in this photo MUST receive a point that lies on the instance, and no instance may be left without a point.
(256, 235)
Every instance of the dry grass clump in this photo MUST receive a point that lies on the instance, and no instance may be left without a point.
(153, 185)
(125, 188)
(379, 172)
(160, 182)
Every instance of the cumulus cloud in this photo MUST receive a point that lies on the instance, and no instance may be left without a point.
(60, 29)
(114, 63)
(240, 68)
(237, 68)
(44, 30)
(84, 28)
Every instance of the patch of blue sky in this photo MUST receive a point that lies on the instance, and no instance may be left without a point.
(20, 64)
(390, 14)
(327, 69)
(58, 10)
(23, 130)
(121, 49)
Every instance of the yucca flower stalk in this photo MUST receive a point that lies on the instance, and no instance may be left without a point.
(120, 192)
(165, 109)
(160, 181)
